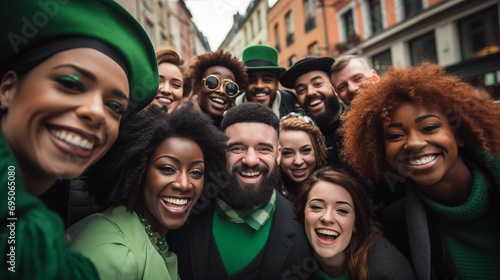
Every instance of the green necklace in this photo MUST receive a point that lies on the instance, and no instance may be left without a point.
(158, 242)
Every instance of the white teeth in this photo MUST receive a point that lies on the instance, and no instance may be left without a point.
(218, 100)
(422, 161)
(260, 94)
(165, 100)
(328, 232)
(250, 174)
(315, 102)
(73, 139)
(176, 201)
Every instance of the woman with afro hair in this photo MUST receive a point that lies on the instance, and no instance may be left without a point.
(217, 78)
(148, 184)
(440, 137)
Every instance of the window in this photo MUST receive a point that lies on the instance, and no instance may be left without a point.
(412, 7)
(382, 61)
(423, 47)
(162, 12)
(349, 30)
(147, 3)
(292, 60)
(479, 34)
(277, 36)
(310, 19)
(163, 39)
(259, 22)
(376, 20)
(313, 50)
(150, 30)
(251, 29)
(289, 29)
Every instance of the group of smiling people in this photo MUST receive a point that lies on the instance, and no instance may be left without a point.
(192, 184)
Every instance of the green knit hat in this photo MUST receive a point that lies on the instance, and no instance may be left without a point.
(262, 58)
(26, 25)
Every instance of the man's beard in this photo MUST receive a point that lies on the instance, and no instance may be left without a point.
(332, 108)
(249, 196)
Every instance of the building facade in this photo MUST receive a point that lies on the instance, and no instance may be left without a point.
(462, 35)
(248, 29)
(168, 23)
(297, 30)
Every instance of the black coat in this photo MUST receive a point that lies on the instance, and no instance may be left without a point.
(287, 250)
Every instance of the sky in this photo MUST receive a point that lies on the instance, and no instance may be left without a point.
(215, 17)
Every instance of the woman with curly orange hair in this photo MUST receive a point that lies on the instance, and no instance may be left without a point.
(439, 137)
(217, 78)
(303, 150)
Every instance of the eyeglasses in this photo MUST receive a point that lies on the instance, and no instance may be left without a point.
(305, 118)
(213, 82)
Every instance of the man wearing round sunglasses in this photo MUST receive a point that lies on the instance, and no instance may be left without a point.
(217, 80)
(261, 63)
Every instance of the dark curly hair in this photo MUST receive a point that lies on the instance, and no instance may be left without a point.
(364, 223)
(251, 112)
(222, 58)
(117, 178)
(472, 114)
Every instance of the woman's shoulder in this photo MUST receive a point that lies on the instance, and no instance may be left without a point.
(113, 241)
(386, 262)
(114, 225)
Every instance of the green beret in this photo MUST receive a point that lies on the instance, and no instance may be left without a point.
(28, 24)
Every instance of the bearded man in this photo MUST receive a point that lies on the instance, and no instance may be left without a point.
(263, 71)
(310, 77)
(250, 231)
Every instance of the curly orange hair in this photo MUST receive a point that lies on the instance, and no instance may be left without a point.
(472, 114)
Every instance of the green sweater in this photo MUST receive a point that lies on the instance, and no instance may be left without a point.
(470, 231)
(32, 240)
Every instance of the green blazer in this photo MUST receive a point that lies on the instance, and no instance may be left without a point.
(116, 241)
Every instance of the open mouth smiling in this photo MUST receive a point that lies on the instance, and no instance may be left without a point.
(75, 139)
(250, 173)
(417, 161)
(328, 235)
(218, 100)
(164, 100)
(175, 204)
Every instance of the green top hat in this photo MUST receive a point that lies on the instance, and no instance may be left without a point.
(26, 25)
(262, 58)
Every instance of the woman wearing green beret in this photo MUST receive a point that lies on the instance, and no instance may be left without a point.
(70, 71)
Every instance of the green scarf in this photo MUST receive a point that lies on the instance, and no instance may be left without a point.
(255, 217)
(32, 240)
